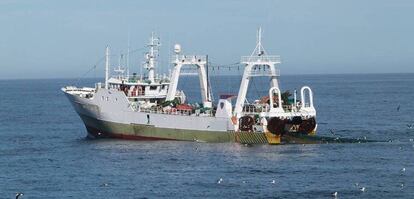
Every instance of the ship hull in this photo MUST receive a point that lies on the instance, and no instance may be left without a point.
(105, 129)
(104, 119)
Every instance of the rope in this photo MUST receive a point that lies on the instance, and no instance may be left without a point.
(89, 70)
(99, 61)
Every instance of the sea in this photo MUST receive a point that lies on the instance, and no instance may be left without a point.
(44, 152)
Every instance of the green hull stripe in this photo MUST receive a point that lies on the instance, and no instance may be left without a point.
(163, 133)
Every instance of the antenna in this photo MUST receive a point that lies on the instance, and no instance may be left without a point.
(259, 36)
(107, 67)
(259, 50)
(127, 57)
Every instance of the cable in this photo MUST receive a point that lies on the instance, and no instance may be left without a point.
(99, 61)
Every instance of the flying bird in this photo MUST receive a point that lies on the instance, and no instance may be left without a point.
(402, 171)
(18, 195)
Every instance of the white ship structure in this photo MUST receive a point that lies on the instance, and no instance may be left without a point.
(151, 107)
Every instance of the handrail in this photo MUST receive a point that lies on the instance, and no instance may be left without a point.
(169, 112)
(265, 58)
(188, 58)
(267, 72)
(255, 108)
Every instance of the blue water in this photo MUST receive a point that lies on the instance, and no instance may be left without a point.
(44, 153)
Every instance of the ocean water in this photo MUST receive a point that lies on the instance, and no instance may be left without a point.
(44, 152)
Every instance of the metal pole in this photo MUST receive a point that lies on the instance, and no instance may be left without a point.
(208, 82)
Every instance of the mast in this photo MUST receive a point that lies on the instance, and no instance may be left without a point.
(259, 49)
(151, 57)
(106, 67)
(120, 70)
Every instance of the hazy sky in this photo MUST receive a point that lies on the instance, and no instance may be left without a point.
(53, 39)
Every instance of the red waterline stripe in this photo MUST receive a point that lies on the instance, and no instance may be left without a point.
(97, 133)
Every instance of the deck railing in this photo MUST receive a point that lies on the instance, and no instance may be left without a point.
(254, 109)
(159, 110)
(264, 72)
(266, 58)
(188, 58)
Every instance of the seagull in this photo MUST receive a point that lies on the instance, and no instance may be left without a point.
(403, 170)
(220, 181)
(18, 195)
(410, 126)
(273, 182)
(104, 184)
(402, 185)
(362, 189)
(335, 194)
(332, 132)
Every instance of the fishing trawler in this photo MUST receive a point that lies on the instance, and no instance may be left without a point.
(150, 106)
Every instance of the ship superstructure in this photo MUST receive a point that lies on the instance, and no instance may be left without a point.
(148, 107)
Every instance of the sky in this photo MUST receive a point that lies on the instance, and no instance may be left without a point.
(64, 39)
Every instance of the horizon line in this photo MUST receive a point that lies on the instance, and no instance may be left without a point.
(290, 74)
